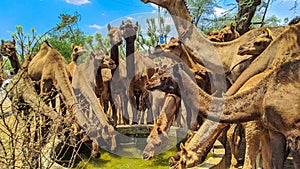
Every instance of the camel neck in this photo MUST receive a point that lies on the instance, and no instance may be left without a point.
(15, 62)
(114, 54)
(129, 48)
(245, 104)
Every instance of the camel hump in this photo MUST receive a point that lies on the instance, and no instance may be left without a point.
(294, 21)
(47, 44)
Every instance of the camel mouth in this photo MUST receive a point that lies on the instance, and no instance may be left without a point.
(242, 51)
(112, 66)
(146, 156)
(156, 53)
(145, 1)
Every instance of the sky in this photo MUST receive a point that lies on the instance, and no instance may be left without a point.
(95, 14)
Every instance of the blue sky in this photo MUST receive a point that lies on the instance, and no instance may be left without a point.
(95, 14)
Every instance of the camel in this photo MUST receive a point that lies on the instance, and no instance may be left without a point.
(85, 87)
(49, 68)
(8, 48)
(115, 39)
(225, 34)
(129, 34)
(244, 106)
(158, 138)
(115, 36)
(77, 51)
(215, 56)
(252, 49)
(168, 113)
(177, 8)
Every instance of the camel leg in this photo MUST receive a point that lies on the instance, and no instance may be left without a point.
(114, 109)
(255, 133)
(296, 159)
(124, 107)
(234, 138)
(278, 142)
(266, 150)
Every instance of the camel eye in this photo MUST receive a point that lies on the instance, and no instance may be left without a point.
(76, 49)
(172, 47)
(257, 43)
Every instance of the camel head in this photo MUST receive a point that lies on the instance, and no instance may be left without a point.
(174, 48)
(164, 82)
(228, 33)
(257, 45)
(183, 159)
(102, 60)
(214, 36)
(115, 35)
(163, 3)
(8, 48)
(129, 30)
(77, 51)
(156, 142)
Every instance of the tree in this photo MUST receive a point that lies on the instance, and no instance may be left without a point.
(65, 34)
(151, 39)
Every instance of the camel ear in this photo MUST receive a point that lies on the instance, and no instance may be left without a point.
(2, 41)
(269, 32)
(232, 26)
(182, 148)
(224, 26)
(108, 26)
(158, 122)
(72, 45)
(136, 27)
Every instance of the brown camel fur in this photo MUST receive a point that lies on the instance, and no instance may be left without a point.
(85, 85)
(167, 85)
(158, 138)
(225, 34)
(214, 55)
(115, 39)
(49, 68)
(270, 96)
(77, 51)
(8, 48)
(185, 14)
(252, 49)
(253, 129)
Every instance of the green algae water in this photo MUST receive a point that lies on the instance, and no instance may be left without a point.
(129, 152)
(129, 155)
(111, 161)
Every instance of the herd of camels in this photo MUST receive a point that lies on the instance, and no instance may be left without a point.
(227, 83)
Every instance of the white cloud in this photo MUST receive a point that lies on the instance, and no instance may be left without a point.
(78, 2)
(154, 11)
(95, 26)
(154, 6)
(130, 18)
(219, 11)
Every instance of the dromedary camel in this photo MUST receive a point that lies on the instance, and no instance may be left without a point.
(225, 34)
(77, 51)
(49, 68)
(176, 8)
(84, 84)
(115, 36)
(271, 96)
(8, 48)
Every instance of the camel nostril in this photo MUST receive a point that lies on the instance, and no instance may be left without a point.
(146, 157)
